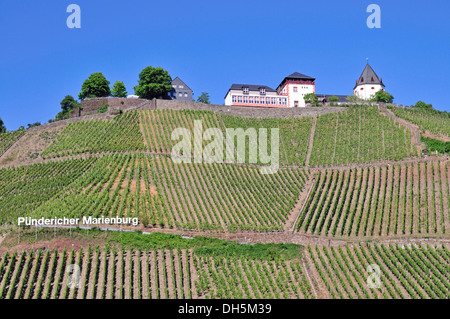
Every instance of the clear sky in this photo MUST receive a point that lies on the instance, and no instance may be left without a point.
(212, 44)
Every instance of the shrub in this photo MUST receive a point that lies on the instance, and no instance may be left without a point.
(103, 108)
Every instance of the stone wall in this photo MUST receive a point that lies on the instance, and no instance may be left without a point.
(247, 111)
(91, 106)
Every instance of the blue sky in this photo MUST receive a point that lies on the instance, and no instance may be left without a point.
(212, 44)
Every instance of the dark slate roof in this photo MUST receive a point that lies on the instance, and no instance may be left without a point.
(178, 81)
(251, 87)
(296, 76)
(368, 76)
(299, 76)
(342, 98)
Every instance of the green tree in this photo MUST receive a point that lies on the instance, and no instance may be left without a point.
(2, 126)
(153, 83)
(423, 105)
(353, 98)
(119, 90)
(383, 96)
(204, 98)
(68, 104)
(95, 86)
(311, 98)
(333, 98)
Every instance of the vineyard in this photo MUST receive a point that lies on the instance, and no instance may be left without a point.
(359, 135)
(428, 120)
(7, 139)
(404, 272)
(95, 136)
(158, 126)
(404, 199)
(116, 272)
(154, 189)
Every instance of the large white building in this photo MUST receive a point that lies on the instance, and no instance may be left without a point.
(290, 93)
(368, 84)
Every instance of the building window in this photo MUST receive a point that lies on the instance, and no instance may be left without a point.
(373, 88)
(362, 80)
(373, 80)
(295, 89)
(180, 86)
(267, 100)
(245, 90)
(279, 101)
(262, 91)
(180, 94)
(245, 99)
(185, 94)
(239, 99)
(234, 99)
(295, 103)
(362, 89)
(274, 100)
(284, 101)
(256, 99)
(250, 99)
(174, 86)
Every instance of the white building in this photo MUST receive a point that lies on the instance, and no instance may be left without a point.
(289, 93)
(368, 84)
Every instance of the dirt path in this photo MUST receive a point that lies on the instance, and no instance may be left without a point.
(294, 215)
(311, 141)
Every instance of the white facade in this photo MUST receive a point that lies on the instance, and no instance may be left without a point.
(255, 98)
(368, 84)
(290, 93)
(296, 93)
(367, 91)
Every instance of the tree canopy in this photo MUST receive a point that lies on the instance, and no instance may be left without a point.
(67, 106)
(95, 86)
(333, 98)
(383, 96)
(119, 89)
(311, 98)
(2, 126)
(153, 83)
(204, 98)
(422, 105)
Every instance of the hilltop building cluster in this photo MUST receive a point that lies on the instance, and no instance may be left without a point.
(293, 88)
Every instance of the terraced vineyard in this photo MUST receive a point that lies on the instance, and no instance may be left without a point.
(154, 189)
(24, 188)
(158, 126)
(94, 136)
(110, 273)
(9, 138)
(404, 273)
(432, 120)
(404, 199)
(359, 135)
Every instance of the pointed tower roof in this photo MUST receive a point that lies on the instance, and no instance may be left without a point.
(369, 76)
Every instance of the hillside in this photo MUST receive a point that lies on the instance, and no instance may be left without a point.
(345, 178)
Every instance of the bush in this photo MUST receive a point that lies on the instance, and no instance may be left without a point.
(103, 108)
(333, 98)
(433, 145)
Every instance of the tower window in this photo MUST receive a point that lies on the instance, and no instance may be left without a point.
(373, 80)
(362, 80)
